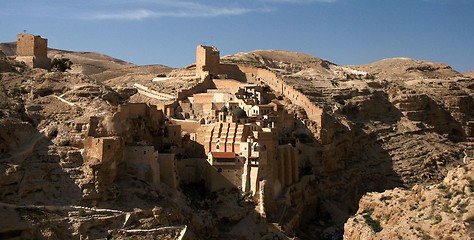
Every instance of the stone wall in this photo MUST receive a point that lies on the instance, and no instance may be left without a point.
(142, 162)
(188, 126)
(250, 177)
(200, 87)
(296, 97)
(136, 110)
(227, 85)
(172, 135)
(232, 71)
(102, 157)
(168, 169)
(202, 103)
(288, 164)
(192, 170)
(104, 149)
(231, 173)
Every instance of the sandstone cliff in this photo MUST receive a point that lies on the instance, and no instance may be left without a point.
(441, 211)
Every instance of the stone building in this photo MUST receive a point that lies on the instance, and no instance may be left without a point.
(136, 141)
(207, 59)
(32, 50)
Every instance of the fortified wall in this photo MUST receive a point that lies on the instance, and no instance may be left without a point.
(210, 55)
(32, 50)
(200, 87)
(278, 85)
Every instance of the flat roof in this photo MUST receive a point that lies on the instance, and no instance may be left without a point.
(223, 154)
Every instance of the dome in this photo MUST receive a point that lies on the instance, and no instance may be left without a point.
(239, 113)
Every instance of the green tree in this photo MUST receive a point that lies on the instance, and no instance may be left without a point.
(60, 64)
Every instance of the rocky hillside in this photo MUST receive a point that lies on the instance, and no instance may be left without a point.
(43, 122)
(469, 74)
(441, 211)
(393, 123)
(408, 68)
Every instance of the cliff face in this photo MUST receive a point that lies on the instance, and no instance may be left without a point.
(440, 211)
(393, 123)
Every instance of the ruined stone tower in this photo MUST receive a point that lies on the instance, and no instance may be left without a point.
(207, 59)
(33, 50)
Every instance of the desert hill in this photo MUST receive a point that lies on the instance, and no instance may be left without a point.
(100, 66)
(469, 74)
(284, 62)
(407, 68)
(389, 126)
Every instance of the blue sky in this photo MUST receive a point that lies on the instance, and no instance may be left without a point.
(167, 32)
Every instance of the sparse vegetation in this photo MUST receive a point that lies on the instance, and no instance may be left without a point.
(15, 91)
(373, 223)
(471, 184)
(385, 198)
(61, 64)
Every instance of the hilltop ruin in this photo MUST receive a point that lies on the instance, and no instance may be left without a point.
(32, 50)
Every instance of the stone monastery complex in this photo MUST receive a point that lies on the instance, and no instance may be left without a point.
(233, 134)
(229, 131)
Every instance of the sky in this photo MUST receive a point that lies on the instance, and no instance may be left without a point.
(345, 32)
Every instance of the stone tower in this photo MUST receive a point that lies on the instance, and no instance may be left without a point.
(207, 59)
(33, 50)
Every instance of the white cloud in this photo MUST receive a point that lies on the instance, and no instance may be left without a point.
(180, 9)
(299, 1)
(149, 9)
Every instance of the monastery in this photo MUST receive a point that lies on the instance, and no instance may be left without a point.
(229, 131)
